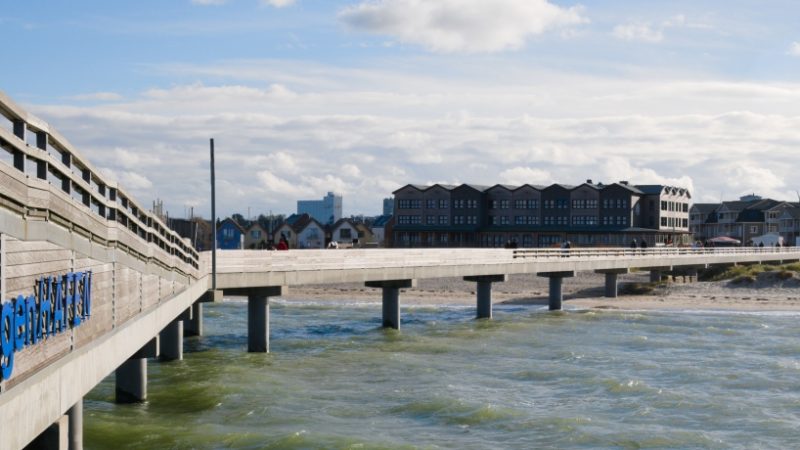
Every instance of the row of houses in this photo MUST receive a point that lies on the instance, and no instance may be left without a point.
(750, 220)
(589, 214)
(301, 231)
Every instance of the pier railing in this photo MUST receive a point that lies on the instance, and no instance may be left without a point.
(39, 159)
(231, 261)
(650, 252)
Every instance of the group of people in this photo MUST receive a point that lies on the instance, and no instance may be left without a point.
(642, 244)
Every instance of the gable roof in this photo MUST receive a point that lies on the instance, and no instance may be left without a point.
(704, 208)
(381, 221)
(341, 222)
(235, 224)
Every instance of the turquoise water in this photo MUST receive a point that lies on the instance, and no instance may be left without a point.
(526, 379)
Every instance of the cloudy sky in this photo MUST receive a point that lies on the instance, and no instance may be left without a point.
(362, 97)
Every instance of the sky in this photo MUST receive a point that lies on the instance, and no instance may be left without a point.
(362, 97)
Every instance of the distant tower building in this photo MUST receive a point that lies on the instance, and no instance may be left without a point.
(325, 211)
(388, 206)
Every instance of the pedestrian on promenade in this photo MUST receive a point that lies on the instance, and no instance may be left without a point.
(283, 245)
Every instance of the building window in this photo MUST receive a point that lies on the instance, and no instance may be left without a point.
(494, 220)
(526, 220)
(473, 204)
(444, 204)
(255, 234)
(663, 205)
(505, 204)
(431, 204)
(533, 204)
(663, 221)
(458, 220)
(472, 220)
(458, 204)
(228, 233)
(685, 223)
(754, 229)
(505, 220)
(444, 220)
(345, 233)
(416, 220)
(430, 220)
(520, 204)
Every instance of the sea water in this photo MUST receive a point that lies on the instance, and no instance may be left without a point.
(526, 379)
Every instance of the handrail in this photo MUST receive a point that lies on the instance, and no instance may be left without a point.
(653, 251)
(98, 195)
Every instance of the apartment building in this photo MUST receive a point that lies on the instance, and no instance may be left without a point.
(745, 219)
(589, 214)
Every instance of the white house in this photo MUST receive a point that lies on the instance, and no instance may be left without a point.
(311, 236)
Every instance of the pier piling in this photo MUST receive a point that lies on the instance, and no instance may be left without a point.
(391, 299)
(484, 293)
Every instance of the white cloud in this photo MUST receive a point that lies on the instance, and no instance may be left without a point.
(526, 175)
(98, 96)
(638, 32)
(794, 50)
(366, 133)
(278, 3)
(461, 25)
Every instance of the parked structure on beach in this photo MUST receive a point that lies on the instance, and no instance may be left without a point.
(747, 220)
(590, 214)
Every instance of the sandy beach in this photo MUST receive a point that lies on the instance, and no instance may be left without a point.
(582, 291)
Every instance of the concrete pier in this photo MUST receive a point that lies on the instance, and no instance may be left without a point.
(655, 276)
(612, 285)
(391, 299)
(75, 435)
(55, 437)
(257, 314)
(556, 296)
(193, 320)
(258, 324)
(171, 341)
(131, 376)
(484, 293)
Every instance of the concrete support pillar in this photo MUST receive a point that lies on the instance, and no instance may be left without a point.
(391, 299)
(171, 341)
(131, 376)
(556, 279)
(258, 323)
(55, 437)
(391, 307)
(75, 415)
(692, 274)
(257, 313)
(484, 292)
(193, 322)
(611, 285)
(655, 276)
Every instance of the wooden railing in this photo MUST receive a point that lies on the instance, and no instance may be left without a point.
(35, 150)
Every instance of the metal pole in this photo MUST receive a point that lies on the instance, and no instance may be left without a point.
(213, 222)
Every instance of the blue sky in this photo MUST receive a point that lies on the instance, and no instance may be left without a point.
(362, 97)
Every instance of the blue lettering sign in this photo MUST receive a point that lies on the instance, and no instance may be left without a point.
(7, 340)
(61, 303)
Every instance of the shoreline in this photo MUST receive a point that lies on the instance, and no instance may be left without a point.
(584, 292)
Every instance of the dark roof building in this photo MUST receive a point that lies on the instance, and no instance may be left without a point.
(589, 214)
